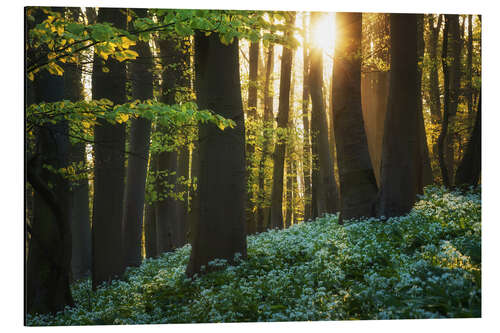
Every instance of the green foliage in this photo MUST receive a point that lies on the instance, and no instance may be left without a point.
(422, 265)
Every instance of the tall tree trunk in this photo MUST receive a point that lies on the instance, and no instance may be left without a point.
(276, 220)
(220, 232)
(251, 115)
(49, 256)
(435, 100)
(306, 150)
(141, 77)
(326, 190)
(150, 237)
(400, 143)
(183, 173)
(263, 210)
(455, 76)
(194, 203)
(109, 166)
(79, 190)
(444, 125)
(358, 186)
(174, 79)
(469, 89)
(469, 170)
(424, 171)
(48, 265)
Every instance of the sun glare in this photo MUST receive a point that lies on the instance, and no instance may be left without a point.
(323, 34)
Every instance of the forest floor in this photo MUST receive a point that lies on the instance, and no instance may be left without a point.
(426, 264)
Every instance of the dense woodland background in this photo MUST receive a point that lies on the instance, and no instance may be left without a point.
(150, 129)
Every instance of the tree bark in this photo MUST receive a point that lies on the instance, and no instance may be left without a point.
(220, 232)
(424, 171)
(326, 190)
(400, 143)
(150, 230)
(174, 78)
(263, 209)
(79, 191)
(306, 150)
(444, 125)
(109, 166)
(455, 48)
(276, 219)
(469, 170)
(358, 186)
(49, 256)
(48, 266)
(251, 115)
(141, 77)
(435, 100)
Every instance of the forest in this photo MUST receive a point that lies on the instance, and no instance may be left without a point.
(195, 166)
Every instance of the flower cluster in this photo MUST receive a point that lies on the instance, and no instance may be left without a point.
(426, 264)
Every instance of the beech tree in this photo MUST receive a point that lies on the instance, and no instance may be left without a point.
(276, 217)
(141, 76)
(109, 164)
(326, 188)
(220, 231)
(358, 187)
(400, 141)
(48, 267)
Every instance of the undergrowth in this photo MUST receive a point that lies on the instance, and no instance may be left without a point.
(426, 264)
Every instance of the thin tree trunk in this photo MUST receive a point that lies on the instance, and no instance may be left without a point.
(263, 210)
(424, 171)
(140, 132)
(306, 166)
(174, 78)
(220, 232)
(183, 173)
(109, 166)
(358, 186)
(454, 77)
(251, 115)
(327, 193)
(79, 191)
(276, 220)
(444, 125)
(435, 100)
(150, 237)
(400, 143)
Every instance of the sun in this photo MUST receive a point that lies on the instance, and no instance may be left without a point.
(323, 34)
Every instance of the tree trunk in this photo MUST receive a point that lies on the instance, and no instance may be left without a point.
(49, 256)
(435, 100)
(276, 220)
(220, 232)
(455, 76)
(358, 186)
(306, 150)
(150, 237)
(140, 131)
(424, 171)
(469, 170)
(174, 78)
(79, 191)
(109, 166)
(327, 193)
(48, 267)
(263, 210)
(444, 125)
(400, 143)
(251, 115)
(183, 173)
